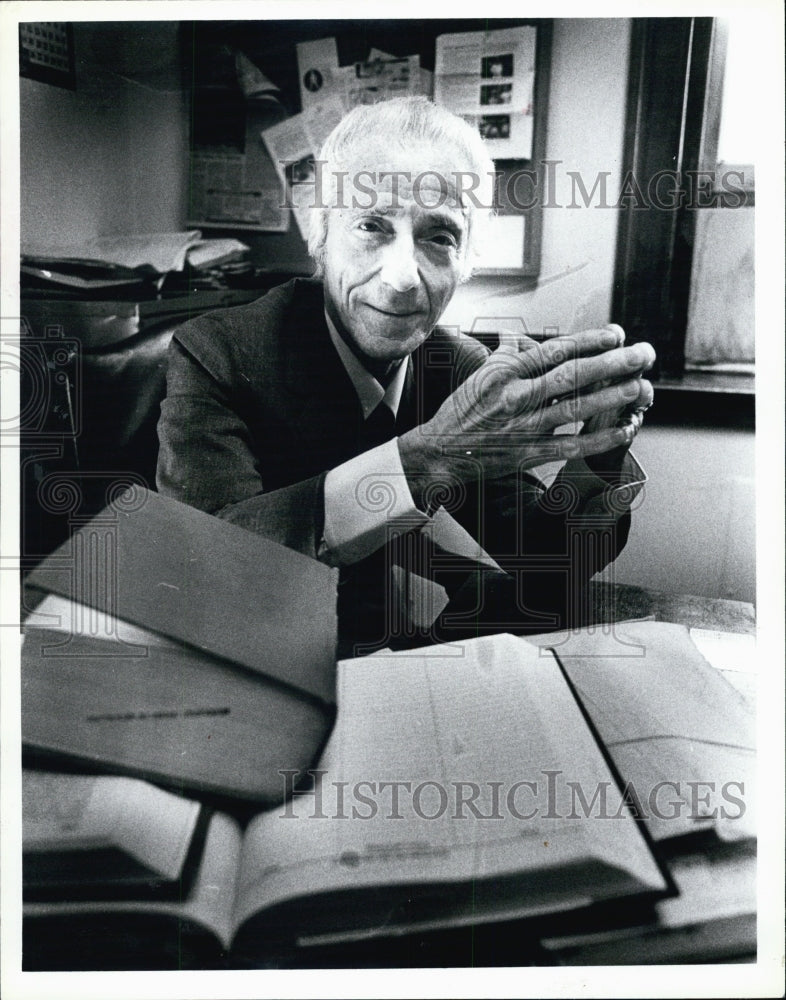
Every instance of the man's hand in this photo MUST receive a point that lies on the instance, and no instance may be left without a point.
(631, 414)
(503, 417)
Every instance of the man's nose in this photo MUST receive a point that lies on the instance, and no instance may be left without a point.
(399, 265)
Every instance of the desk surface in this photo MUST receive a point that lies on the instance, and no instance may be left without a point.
(614, 602)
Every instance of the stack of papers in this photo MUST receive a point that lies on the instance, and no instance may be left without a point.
(161, 251)
(104, 262)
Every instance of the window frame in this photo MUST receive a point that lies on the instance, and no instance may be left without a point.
(672, 124)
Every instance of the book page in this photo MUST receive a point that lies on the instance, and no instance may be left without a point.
(209, 901)
(67, 812)
(733, 654)
(679, 732)
(444, 772)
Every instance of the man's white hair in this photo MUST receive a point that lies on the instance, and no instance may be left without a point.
(404, 121)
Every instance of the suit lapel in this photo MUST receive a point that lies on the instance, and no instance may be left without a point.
(325, 411)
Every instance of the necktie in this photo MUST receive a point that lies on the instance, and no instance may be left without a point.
(392, 597)
(380, 426)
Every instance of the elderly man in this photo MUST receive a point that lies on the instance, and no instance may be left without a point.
(334, 415)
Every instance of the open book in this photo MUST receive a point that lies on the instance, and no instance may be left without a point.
(675, 710)
(679, 731)
(446, 796)
(89, 837)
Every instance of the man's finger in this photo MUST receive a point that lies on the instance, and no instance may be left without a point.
(583, 407)
(515, 342)
(557, 350)
(576, 374)
(534, 358)
(646, 396)
(616, 328)
(580, 446)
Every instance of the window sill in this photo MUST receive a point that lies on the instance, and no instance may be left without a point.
(705, 399)
(735, 383)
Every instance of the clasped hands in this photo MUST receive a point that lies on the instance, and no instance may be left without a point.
(504, 416)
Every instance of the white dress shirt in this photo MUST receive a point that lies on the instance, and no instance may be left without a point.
(367, 497)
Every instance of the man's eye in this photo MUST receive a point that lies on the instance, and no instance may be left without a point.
(370, 226)
(445, 240)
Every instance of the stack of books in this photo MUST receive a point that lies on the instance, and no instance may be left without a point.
(585, 788)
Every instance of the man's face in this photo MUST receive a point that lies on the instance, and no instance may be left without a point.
(394, 253)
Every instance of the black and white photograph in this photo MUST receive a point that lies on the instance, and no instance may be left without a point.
(494, 126)
(496, 66)
(302, 172)
(496, 93)
(380, 619)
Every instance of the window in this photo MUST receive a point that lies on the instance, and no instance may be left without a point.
(684, 276)
(720, 332)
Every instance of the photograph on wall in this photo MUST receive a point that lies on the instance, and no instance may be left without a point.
(494, 126)
(496, 93)
(495, 66)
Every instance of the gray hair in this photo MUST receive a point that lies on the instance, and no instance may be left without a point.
(408, 120)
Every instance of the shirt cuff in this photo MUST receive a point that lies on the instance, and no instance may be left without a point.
(367, 499)
(612, 493)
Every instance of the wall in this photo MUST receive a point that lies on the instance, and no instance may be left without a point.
(585, 132)
(110, 157)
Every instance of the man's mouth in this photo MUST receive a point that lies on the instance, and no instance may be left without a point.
(397, 314)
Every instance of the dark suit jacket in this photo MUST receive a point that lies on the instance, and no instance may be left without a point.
(259, 407)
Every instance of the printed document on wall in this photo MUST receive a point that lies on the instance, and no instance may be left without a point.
(488, 77)
(293, 145)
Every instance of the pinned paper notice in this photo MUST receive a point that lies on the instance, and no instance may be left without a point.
(488, 78)
(293, 146)
(317, 64)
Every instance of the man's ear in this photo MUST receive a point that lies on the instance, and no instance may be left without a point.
(317, 238)
(478, 233)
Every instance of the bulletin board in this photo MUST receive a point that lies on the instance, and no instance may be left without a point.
(226, 123)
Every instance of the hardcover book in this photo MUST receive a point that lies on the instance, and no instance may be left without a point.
(174, 646)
